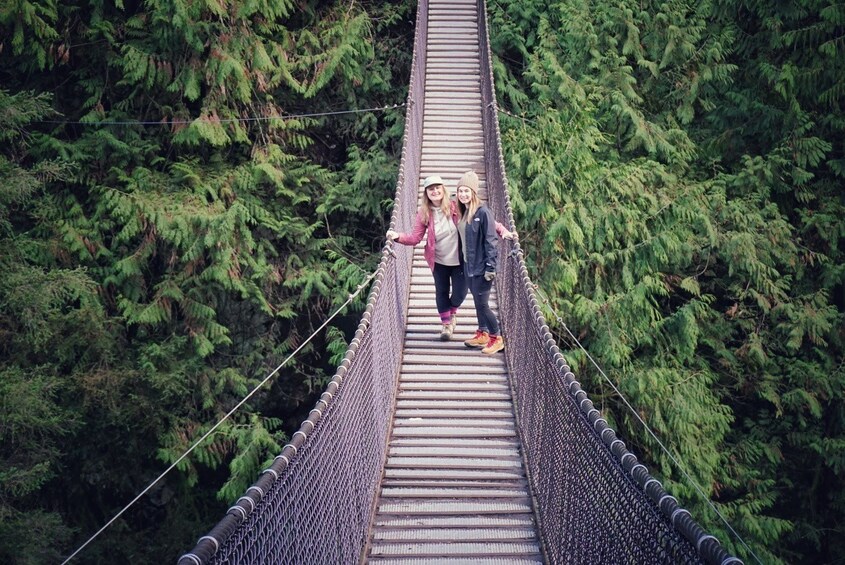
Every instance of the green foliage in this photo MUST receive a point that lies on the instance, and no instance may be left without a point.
(31, 28)
(166, 247)
(676, 181)
(337, 348)
(257, 445)
(44, 313)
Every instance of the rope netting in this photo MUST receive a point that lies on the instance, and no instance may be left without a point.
(595, 503)
(314, 503)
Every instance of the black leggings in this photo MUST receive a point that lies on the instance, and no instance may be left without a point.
(480, 290)
(448, 278)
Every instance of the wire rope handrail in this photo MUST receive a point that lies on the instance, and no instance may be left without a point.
(289, 515)
(648, 429)
(222, 420)
(567, 443)
(595, 502)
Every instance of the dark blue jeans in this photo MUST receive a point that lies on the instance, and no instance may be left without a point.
(450, 289)
(480, 289)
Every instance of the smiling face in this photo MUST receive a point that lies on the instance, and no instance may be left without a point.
(435, 194)
(464, 194)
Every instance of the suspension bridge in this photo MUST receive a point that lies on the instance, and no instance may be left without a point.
(421, 451)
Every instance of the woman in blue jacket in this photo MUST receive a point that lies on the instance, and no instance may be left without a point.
(479, 248)
(437, 219)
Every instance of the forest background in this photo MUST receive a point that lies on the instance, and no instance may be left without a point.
(676, 170)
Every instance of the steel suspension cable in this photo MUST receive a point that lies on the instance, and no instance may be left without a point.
(220, 422)
(681, 467)
(220, 120)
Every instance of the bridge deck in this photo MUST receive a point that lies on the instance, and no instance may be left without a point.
(454, 488)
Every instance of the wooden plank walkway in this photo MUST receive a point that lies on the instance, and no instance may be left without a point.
(454, 488)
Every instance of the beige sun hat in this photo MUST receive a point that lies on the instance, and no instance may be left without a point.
(432, 180)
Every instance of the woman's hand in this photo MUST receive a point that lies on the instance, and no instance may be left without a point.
(510, 235)
(392, 235)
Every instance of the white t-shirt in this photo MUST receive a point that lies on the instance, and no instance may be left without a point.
(445, 239)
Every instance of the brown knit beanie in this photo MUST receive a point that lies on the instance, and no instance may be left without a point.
(469, 179)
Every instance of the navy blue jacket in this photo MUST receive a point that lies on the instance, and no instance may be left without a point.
(482, 241)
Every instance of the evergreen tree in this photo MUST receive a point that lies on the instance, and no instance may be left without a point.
(777, 136)
(174, 236)
(656, 217)
(45, 314)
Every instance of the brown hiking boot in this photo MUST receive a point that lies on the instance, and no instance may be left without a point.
(480, 340)
(495, 345)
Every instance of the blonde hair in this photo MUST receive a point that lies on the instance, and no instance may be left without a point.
(469, 180)
(427, 205)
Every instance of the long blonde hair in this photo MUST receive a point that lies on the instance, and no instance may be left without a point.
(427, 205)
(470, 180)
(468, 211)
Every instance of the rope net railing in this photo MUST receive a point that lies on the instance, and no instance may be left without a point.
(595, 503)
(314, 503)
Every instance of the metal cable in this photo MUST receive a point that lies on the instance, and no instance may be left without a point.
(219, 120)
(633, 411)
(224, 418)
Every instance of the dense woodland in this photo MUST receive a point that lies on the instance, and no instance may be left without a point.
(676, 170)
